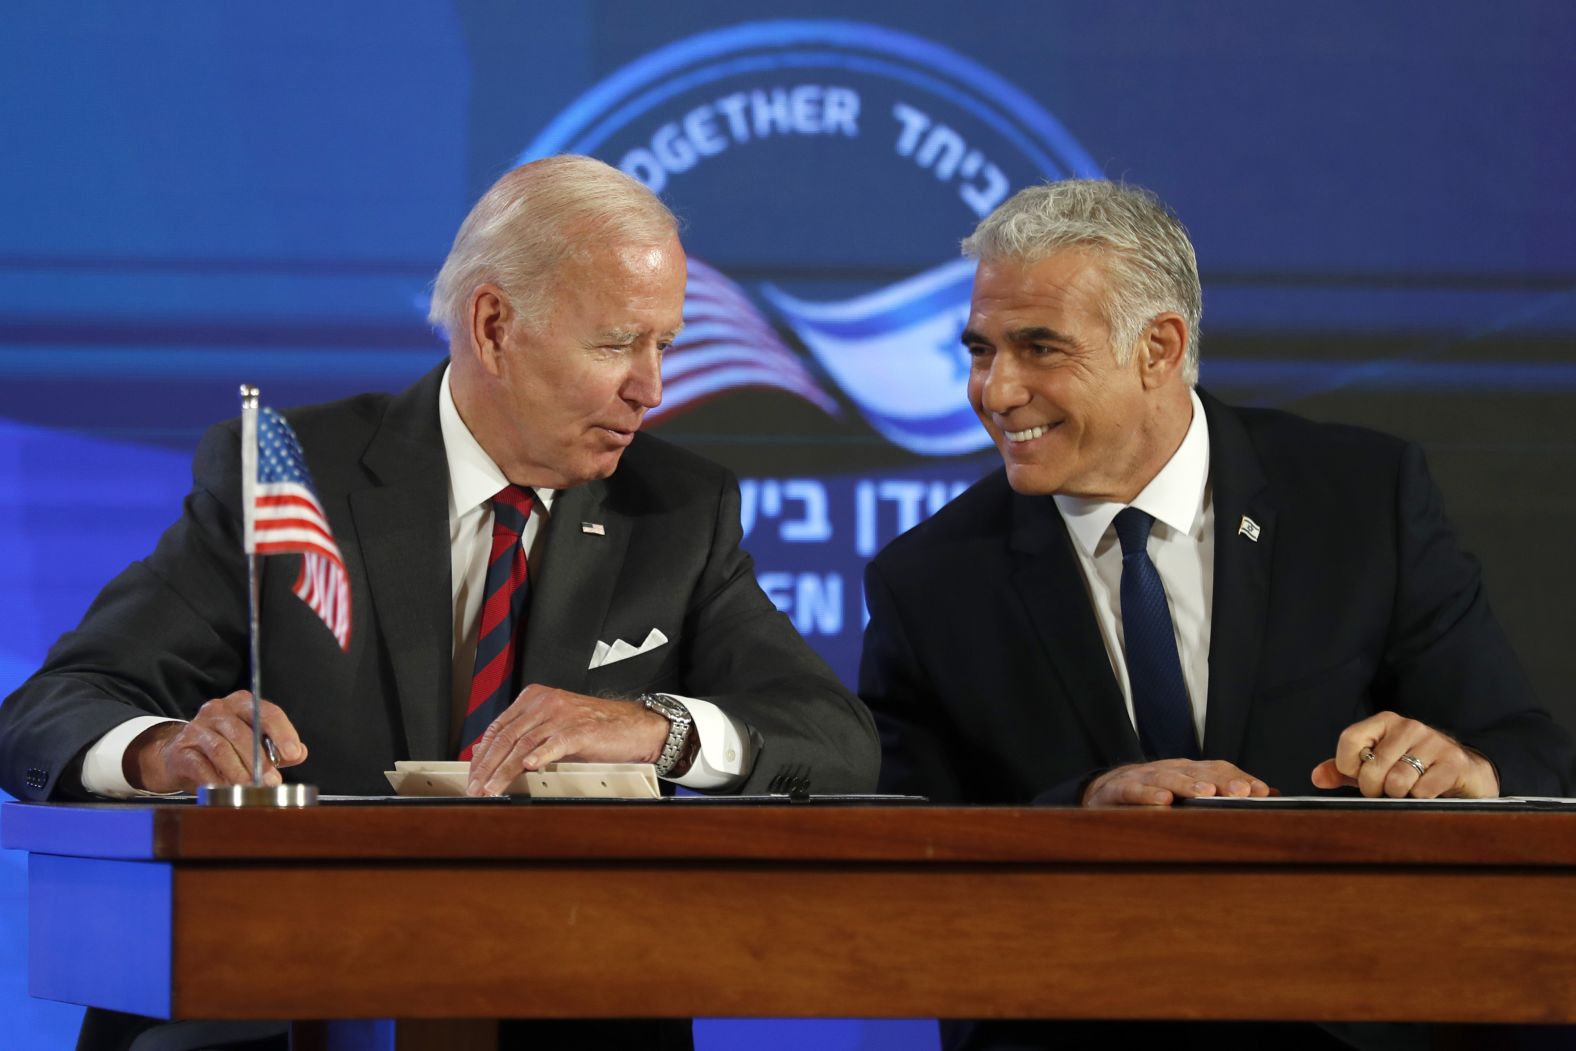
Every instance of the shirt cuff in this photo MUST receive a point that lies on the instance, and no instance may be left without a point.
(726, 752)
(103, 770)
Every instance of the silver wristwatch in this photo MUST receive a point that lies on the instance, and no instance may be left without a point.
(680, 723)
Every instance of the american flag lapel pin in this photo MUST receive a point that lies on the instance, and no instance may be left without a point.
(593, 528)
(1249, 528)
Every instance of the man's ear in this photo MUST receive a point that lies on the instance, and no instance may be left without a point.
(489, 316)
(1161, 350)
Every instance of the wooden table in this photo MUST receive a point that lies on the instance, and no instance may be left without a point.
(478, 911)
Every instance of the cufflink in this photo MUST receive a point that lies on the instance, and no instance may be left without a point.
(37, 777)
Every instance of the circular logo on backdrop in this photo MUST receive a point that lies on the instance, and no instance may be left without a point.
(826, 171)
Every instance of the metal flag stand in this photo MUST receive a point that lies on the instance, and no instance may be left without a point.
(255, 794)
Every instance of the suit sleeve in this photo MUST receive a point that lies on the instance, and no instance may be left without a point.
(164, 636)
(745, 657)
(914, 730)
(925, 749)
(1452, 665)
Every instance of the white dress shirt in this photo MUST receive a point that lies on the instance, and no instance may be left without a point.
(1182, 547)
(726, 752)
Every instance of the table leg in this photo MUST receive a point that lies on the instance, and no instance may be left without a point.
(388, 1034)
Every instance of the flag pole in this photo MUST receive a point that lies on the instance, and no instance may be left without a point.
(249, 518)
(255, 794)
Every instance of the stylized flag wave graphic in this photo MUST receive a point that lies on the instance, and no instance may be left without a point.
(726, 344)
(894, 353)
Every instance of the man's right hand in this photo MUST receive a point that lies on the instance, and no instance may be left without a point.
(213, 749)
(1164, 781)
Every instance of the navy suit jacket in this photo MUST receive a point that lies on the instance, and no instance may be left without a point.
(990, 683)
(170, 632)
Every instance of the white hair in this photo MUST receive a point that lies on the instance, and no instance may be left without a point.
(1148, 258)
(533, 219)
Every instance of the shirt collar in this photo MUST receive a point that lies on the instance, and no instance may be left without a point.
(474, 479)
(1174, 497)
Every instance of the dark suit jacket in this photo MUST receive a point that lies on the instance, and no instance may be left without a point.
(170, 632)
(990, 683)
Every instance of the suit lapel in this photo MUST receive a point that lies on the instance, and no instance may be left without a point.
(574, 590)
(402, 532)
(1242, 579)
(1054, 593)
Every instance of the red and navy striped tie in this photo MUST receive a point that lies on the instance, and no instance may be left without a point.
(502, 627)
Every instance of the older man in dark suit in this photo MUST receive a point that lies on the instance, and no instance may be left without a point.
(639, 630)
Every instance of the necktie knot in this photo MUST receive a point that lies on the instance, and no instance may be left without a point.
(1132, 529)
(512, 509)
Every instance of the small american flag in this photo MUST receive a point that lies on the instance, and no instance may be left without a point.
(290, 519)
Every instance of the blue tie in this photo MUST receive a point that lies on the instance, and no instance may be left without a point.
(1160, 703)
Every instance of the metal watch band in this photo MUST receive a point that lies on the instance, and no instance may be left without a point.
(680, 723)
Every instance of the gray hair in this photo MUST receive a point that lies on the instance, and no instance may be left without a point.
(1148, 257)
(533, 219)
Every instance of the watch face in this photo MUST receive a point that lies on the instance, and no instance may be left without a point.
(681, 723)
(667, 707)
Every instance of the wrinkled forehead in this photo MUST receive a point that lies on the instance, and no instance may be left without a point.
(593, 254)
(1070, 282)
(621, 289)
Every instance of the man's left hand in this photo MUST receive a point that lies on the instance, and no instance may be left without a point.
(1381, 756)
(544, 725)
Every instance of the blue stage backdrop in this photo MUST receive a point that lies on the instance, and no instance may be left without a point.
(197, 194)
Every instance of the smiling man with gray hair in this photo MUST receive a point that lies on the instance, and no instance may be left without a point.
(1160, 596)
(1188, 599)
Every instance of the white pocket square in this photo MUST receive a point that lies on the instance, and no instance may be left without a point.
(621, 650)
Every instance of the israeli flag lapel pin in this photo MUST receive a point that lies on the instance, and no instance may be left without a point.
(1249, 528)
